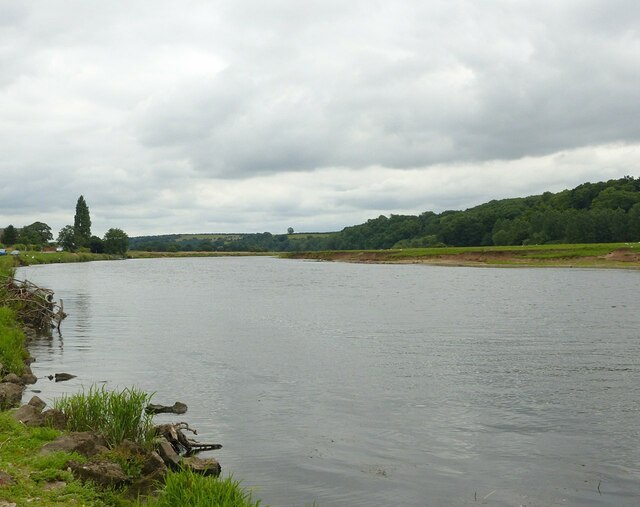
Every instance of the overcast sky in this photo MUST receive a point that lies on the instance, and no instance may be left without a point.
(251, 116)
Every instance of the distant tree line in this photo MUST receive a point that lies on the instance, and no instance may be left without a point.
(590, 213)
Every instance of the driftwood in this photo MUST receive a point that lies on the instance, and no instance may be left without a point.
(34, 304)
(179, 441)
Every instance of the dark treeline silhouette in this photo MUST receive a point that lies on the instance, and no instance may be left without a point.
(600, 212)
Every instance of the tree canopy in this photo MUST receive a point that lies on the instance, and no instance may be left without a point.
(116, 242)
(10, 235)
(38, 233)
(67, 238)
(82, 223)
(590, 213)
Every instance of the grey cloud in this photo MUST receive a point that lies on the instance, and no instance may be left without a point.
(412, 95)
(149, 109)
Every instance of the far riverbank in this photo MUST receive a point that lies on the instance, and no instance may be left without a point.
(609, 255)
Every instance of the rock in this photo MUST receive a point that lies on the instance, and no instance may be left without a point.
(177, 408)
(84, 442)
(5, 479)
(168, 453)
(153, 464)
(103, 473)
(54, 418)
(202, 466)
(53, 485)
(61, 377)
(13, 378)
(146, 485)
(10, 394)
(29, 415)
(35, 401)
(128, 448)
(29, 378)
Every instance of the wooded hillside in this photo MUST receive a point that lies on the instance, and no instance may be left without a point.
(600, 212)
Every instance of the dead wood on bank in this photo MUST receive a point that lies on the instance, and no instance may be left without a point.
(179, 441)
(35, 305)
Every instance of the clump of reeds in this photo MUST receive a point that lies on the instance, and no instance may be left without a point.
(187, 488)
(117, 415)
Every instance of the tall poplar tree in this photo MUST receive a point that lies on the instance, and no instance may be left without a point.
(82, 223)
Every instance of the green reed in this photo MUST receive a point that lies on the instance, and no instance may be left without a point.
(117, 415)
(189, 489)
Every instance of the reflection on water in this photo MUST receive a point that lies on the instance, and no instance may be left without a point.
(373, 384)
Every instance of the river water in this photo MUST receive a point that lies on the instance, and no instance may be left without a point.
(372, 385)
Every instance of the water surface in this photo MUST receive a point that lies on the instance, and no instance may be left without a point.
(353, 384)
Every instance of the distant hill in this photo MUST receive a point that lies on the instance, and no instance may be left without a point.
(600, 212)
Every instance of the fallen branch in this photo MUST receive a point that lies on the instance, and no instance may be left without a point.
(178, 440)
(35, 305)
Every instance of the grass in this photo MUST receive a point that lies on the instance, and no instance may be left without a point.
(186, 488)
(12, 339)
(28, 258)
(19, 446)
(587, 255)
(118, 415)
(141, 254)
(12, 348)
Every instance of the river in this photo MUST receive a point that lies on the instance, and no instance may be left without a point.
(372, 385)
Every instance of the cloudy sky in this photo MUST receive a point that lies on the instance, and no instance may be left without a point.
(251, 116)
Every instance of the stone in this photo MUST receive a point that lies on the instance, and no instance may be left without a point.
(13, 378)
(5, 479)
(29, 378)
(83, 442)
(129, 447)
(53, 485)
(207, 467)
(151, 476)
(177, 408)
(61, 377)
(153, 464)
(103, 473)
(29, 415)
(146, 485)
(54, 418)
(168, 453)
(35, 401)
(10, 394)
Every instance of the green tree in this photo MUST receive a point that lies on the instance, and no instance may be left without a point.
(116, 241)
(290, 230)
(38, 233)
(82, 223)
(96, 245)
(67, 238)
(10, 235)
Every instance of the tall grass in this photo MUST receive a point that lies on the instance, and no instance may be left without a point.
(12, 350)
(189, 489)
(117, 415)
